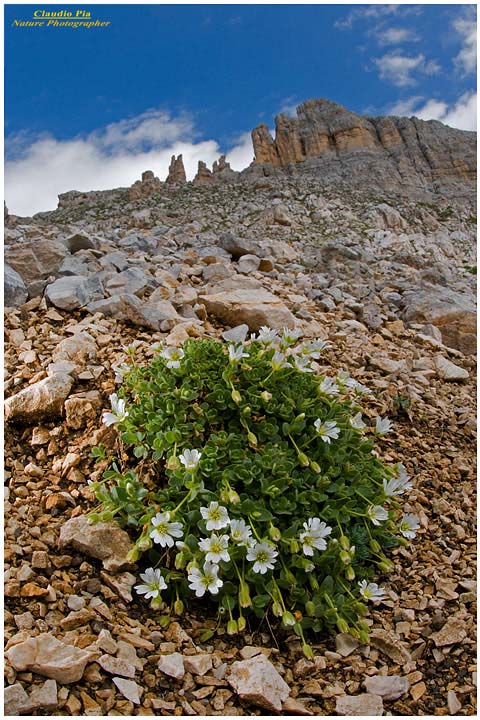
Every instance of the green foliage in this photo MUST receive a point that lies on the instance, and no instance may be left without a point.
(253, 429)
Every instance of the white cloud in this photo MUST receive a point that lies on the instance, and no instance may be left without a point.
(241, 155)
(401, 70)
(395, 36)
(466, 59)
(461, 114)
(404, 108)
(289, 107)
(366, 12)
(38, 169)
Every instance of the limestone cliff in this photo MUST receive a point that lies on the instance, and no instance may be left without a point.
(394, 151)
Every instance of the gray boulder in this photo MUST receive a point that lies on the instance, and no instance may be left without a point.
(14, 290)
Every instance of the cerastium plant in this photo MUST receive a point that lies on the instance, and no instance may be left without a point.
(260, 488)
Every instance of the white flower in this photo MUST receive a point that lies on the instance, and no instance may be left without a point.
(119, 371)
(200, 581)
(396, 485)
(327, 430)
(371, 591)
(329, 386)
(382, 426)
(240, 532)
(289, 336)
(303, 364)
(119, 413)
(344, 378)
(408, 524)
(216, 547)
(173, 355)
(267, 335)
(361, 389)
(402, 473)
(190, 459)
(356, 422)
(154, 582)
(377, 514)
(236, 353)
(263, 554)
(216, 516)
(278, 361)
(314, 536)
(313, 348)
(164, 531)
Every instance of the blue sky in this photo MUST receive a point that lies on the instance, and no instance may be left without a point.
(92, 108)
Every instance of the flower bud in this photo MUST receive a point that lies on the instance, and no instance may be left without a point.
(252, 439)
(345, 557)
(93, 519)
(386, 565)
(308, 652)
(106, 516)
(375, 546)
(403, 541)
(303, 460)
(242, 623)
(173, 463)
(266, 396)
(274, 533)
(247, 411)
(313, 582)
(364, 637)
(133, 555)
(294, 545)
(156, 603)
(244, 596)
(310, 608)
(178, 607)
(342, 625)
(233, 497)
(350, 573)
(164, 620)
(315, 467)
(360, 608)
(232, 627)
(277, 609)
(180, 560)
(224, 495)
(290, 577)
(344, 543)
(236, 397)
(144, 544)
(287, 619)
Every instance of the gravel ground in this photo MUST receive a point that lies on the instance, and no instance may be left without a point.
(424, 631)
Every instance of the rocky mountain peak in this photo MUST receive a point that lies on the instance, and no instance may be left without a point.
(396, 152)
(176, 171)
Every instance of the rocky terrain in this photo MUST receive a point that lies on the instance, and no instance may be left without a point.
(388, 277)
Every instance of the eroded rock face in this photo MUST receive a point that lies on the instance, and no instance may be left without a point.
(204, 176)
(176, 171)
(400, 147)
